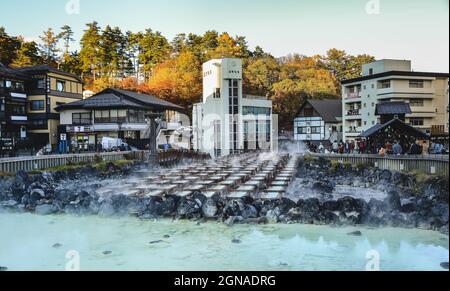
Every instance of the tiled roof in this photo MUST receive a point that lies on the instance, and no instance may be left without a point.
(329, 109)
(391, 108)
(118, 99)
(406, 128)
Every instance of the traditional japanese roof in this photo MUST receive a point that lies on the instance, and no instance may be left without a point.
(392, 108)
(47, 69)
(11, 73)
(121, 99)
(329, 109)
(403, 127)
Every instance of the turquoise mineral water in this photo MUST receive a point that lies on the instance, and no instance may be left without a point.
(30, 242)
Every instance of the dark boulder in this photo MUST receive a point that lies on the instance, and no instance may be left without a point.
(385, 175)
(190, 208)
(330, 205)
(444, 265)
(323, 186)
(393, 200)
(355, 233)
(408, 205)
(230, 221)
(46, 209)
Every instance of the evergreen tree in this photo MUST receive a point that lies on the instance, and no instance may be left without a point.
(27, 55)
(90, 51)
(8, 47)
(49, 48)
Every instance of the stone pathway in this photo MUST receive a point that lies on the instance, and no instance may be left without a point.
(234, 177)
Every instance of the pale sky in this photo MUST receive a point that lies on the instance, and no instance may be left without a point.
(395, 29)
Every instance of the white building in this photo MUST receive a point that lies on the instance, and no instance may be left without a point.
(391, 81)
(227, 121)
(319, 121)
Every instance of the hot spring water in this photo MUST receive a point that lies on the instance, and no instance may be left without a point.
(30, 242)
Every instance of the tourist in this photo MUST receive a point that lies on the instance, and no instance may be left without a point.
(425, 147)
(388, 147)
(321, 148)
(382, 152)
(362, 147)
(335, 147)
(397, 149)
(415, 149)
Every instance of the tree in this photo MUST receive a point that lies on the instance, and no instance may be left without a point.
(344, 66)
(49, 47)
(27, 55)
(260, 75)
(90, 48)
(155, 49)
(66, 35)
(178, 80)
(8, 47)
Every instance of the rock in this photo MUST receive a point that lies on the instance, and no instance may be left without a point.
(189, 208)
(408, 205)
(57, 246)
(210, 209)
(45, 209)
(385, 175)
(323, 187)
(236, 241)
(107, 253)
(3, 269)
(271, 216)
(331, 205)
(156, 242)
(295, 213)
(259, 220)
(166, 236)
(249, 211)
(444, 265)
(355, 233)
(234, 208)
(233, 220)
(8, 204)
(393, 200)
(326, 217)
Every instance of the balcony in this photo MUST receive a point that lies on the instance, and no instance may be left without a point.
(353, 130)
(353, 112)
(354, 95)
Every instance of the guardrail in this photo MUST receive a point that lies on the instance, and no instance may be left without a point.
(429, 164)
(13, 165)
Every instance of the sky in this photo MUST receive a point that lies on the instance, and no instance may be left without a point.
(417, 30)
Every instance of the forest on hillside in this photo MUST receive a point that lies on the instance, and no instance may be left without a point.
(148, 62)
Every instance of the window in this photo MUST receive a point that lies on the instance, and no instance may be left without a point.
(370, 71)
(416, 84)
(60, 86)
(40, 84)
(316, 130)
(2, 104)
(233, 88)
(247, 110)
(216, 93)
(384, 84)
(18, 109)
(37, 105)
(81, 118)
(416, 103)
(416, 121)
(8, 84)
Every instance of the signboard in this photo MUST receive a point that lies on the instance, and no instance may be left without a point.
(63, 137)
(6, 144)
(78, 129)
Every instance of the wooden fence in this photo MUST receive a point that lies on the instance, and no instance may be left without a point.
(13, 165)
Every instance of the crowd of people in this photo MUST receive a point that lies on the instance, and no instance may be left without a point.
(395, 147)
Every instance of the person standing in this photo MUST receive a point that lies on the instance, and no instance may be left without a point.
(397, 149)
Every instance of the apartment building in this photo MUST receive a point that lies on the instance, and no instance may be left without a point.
(395, 81)
(227, 121)
(47, 89)
(13, 115)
